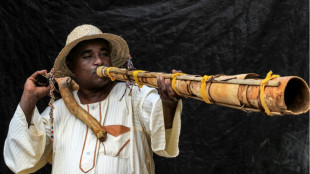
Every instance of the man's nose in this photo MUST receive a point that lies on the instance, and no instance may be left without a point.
(98, 60)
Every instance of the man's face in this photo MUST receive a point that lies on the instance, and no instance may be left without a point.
(87, 56)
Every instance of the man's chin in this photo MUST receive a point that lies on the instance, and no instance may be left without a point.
(102, 81)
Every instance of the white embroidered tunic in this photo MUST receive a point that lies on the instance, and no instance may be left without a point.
(137, 129)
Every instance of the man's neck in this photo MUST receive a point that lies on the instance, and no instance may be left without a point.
(87, 96)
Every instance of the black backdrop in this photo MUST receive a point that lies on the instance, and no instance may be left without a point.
(198, 37)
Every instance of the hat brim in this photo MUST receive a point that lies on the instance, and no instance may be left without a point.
(119, 52)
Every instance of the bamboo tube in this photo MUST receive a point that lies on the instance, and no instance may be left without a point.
(66, 85)
(283, 96)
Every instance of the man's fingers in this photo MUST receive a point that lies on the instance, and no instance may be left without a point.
(176, 71)
(161, 83)
(44, 90)
(165, 90)
(162, 88)
(35, 74)
(170, 91)
(43, 72)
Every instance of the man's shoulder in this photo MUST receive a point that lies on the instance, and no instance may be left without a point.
(58, 103)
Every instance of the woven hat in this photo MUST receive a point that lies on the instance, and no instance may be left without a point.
(119, 49)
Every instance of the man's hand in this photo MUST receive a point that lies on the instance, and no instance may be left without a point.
(32, 90)
(32, 94)
(165, 90)
(169, 99)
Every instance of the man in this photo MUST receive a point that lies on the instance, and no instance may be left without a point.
(142, 121)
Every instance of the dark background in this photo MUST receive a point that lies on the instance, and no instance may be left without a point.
(198, 37)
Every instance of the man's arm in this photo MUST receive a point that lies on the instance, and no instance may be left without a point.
(26, 148)
(169, 99)
(169, 111)
(32, 94)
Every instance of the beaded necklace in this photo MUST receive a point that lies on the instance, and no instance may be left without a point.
(51, 93)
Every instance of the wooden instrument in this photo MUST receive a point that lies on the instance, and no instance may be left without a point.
(287, 95)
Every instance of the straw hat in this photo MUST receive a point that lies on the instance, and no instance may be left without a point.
(119, 48)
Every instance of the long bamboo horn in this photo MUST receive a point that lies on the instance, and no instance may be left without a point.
(287, 95)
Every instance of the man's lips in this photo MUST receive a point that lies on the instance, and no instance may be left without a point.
(93, 72)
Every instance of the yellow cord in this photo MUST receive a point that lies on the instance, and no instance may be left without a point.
(174, 78)
(203, 90)
(108, 73)
(262, 89)
(135, 76)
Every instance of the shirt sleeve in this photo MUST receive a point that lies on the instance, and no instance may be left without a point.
(27, 149)
(148, 106)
